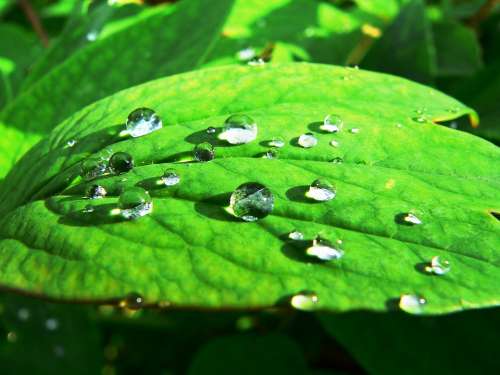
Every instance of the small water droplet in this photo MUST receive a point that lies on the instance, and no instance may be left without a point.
(454, 125)
(337, 160)
(420, 119)
(121, 162)
(272, 153)
(132, 301)
(170, 177)
(332, 124)
(96, 192)
(321, 190)
(134, 203)
(276, 142)
(354, 130)
(324, 250)
(88, 208)
(296, 235)
(142, 121)
(211, 130)
(334, 143)
(412, 303)
(92, 35)
(239, 129)
(305, 301)
(204, 152)
(93, 167)
(256, 61)
(59, 351)
(398, 125)
(307, 140)
(246, 54)
(439, 266)
(11, 336)
(411, 218)
(251, 201)
(23, 314)
(71, 143)
(51, 324)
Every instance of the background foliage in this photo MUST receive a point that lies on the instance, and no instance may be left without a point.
(77, 52)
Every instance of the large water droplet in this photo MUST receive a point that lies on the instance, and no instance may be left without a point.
(306, 301)
(93, 167)
(332, 124)
(251, 201)
(439, 266)
(143, 121)
(296, 235)
(204, 152)
(170, 177)
(239, 129)
(412, 303)
(411, 218)
(121, 162)
(307, 140)
(135, 202)
(276, 142)
(324, 250)
(96, 192)
(132, 301)
(321, 190)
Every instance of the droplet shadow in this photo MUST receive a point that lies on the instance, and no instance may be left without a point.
(315, 127)
(422, 268)
(298, 194)
(213, 208)
(400, 219)
(392, 304)
(296, 250)
(101, 214)
(202, 136)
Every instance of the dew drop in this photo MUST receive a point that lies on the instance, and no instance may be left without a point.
(121, 162)
(204, 152)
(96, 192)
(332, 124)
(411, 219)
(51, 324)
(334, 143)
(132, 301)
(11, 336)
(170, 177)
(324, 250)
(239, 129)
(134, 203)
(272, 153)
(307, 140)
(305, 301)
(412, 303)
(354, 130)
(256, 61)
(296, 235)
(88, 209)
(454, 125)
(23, 314)
(142, 121)
(337, 160)
(71, 143)
(439, 266)
(251, 201)
(246, 54)
(59, 351)
(93, 167)
(211, 130)
(92, 35)
(276, 142)
(321, 190)
(420, 119)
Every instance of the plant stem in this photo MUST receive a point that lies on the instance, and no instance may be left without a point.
(32, 16)
(482, 13)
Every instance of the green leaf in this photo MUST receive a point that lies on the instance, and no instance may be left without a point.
(140, 53)
(419, 345)
(249, 354)
(458, 51)
(191, 252)
(406, 48)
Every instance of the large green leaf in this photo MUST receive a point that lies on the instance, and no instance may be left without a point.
(150, 49)
(190, 252)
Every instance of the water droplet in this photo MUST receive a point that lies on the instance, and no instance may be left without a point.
(251, 201)
(305, 301)
(272, 153)
(337, 160)
(256, 61)
(246, 54)
(96, 192)
(23, 314)
(59, 351)
(439, 266)
(454, 125)
(420, 119)
(324, 250)
(276, 142)
(170, 177)
(51, 324)
(71, 143)
(143, 121)
(132, 301)
(412, 303)
(398, 125)
(332, 124)
(296, 235)
(334, 143)
(239, 129)
(204, 152)
(88, 208)
(11, 336)
(411, 219)
(321, 190)
(92, 35)
(93, 167)
(211, 130)
(121, 162)
(354, 130)
(307, 140)
(135, 202)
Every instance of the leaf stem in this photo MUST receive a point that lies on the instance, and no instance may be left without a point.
(32, 16)
(482, 13)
